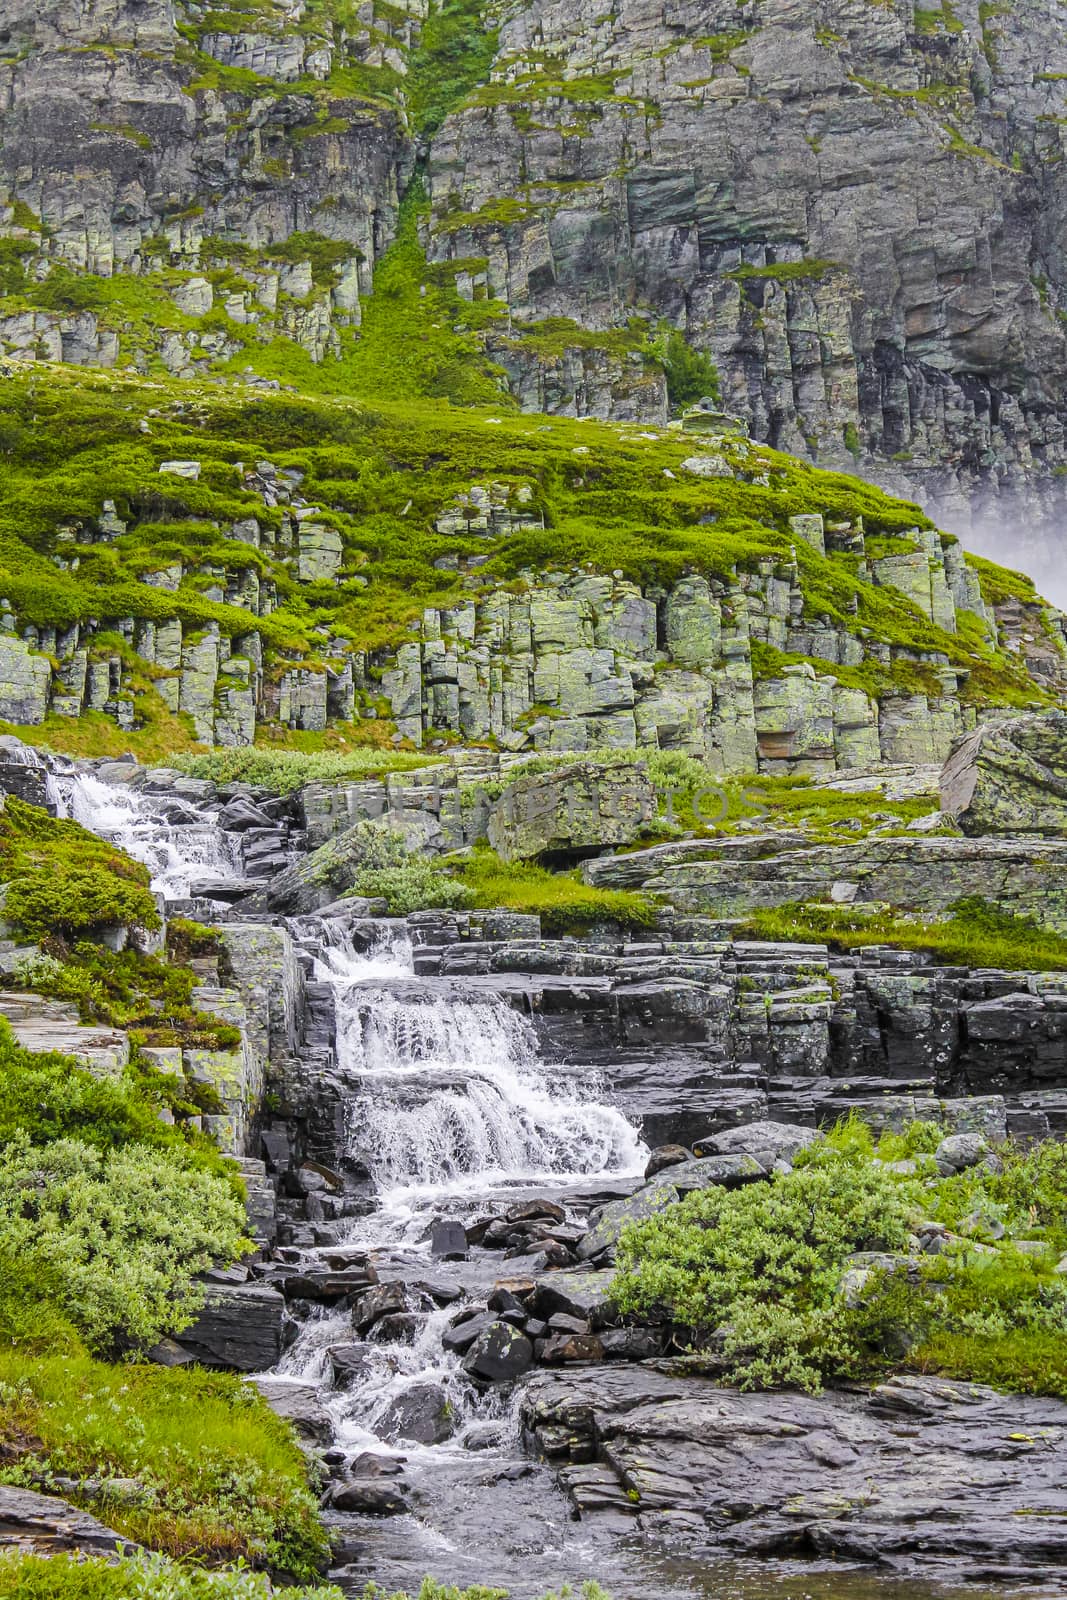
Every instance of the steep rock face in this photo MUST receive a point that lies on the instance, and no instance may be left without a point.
(857, 210)
(179, 164)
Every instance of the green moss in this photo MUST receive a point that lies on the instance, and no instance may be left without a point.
(564, 904)
(975, 934)
(455, 52)
(62, 880)
(784, 271)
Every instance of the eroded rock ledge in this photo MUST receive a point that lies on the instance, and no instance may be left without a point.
(954, 1477)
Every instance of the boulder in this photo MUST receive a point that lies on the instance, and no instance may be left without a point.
(579, 1293)
(298, 1402)
(240, 1327)
(779, 1140)
(1010, 777)
(42, 1525)
(371, 1498)
(604, 1235)
(571, 811)
(327, 873)
(422, 1414)
(499, 1354)
(960, 1151)
(448, 1240)
(348, 1363)
(666, 1155)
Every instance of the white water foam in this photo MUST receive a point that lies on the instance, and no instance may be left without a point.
(453, 1098)
(177, 842)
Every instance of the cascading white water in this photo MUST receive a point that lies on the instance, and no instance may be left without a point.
(177, 842)
(453, 1098)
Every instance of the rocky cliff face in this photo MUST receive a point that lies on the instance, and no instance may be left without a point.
(856, 210)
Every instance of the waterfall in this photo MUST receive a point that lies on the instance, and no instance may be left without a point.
(450, 1109)
(452, 1098)
(179, 843)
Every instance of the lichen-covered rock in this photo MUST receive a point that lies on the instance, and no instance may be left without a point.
(1010, 777)
(572, 811)
(24, 683)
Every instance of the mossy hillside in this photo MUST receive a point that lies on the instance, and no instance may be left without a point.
(64, 888)
(382, 475)
(220, 1478)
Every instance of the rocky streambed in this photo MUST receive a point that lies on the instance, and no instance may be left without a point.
(458, 1122)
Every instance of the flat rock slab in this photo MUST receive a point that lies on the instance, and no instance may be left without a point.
(42, 1525)
(920, 1475)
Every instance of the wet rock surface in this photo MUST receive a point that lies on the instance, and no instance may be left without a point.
(917, 1473)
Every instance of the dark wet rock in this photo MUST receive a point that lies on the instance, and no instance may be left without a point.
(631, 1344)
(43, 1525)
(778, 1140)
(582, 1294)
(239, 1327)
(326, 1287)
(371, 1498)
(298, 1402)
(499, 1354)
(536, 1211)
(369, 1465)
(918, 1475)
(666, 1155)
(422, 1414)
(381, 1301)
(459, 1338)
(560, 1348)
(604, 1235)
(448, 1240)
(398, 1327)
(507, 1306)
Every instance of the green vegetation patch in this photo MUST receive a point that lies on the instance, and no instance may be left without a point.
(219, 1478)
(282, 771)
(563, 902)
(759, 1274)
(974, 934)
(62, 880)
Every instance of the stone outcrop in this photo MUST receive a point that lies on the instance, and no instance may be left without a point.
(919, 872)
(793, 1475)
(570, 812)
(1010, 777)
(40, 1524)
(855, 214)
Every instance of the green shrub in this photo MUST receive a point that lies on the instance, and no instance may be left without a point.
(758, 1268)
(691, 374)
(756, 1274)
(122, 1233)
(47, 1096)
(285, 770)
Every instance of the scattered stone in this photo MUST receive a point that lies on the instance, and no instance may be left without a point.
(421, 1414)
(499, 1354)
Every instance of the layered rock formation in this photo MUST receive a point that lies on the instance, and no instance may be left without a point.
(856, 213)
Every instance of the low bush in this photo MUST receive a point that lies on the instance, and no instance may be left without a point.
(120, 1234)
(282, 771)
(757, 1275)
(45, 1096)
